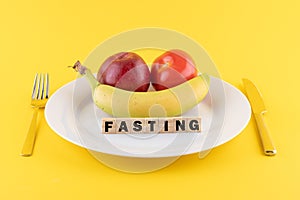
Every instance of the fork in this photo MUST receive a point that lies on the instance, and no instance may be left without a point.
(39, 98)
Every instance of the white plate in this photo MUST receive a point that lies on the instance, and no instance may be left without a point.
(71, 113)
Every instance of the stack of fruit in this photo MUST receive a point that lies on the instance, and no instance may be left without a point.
(123, 80)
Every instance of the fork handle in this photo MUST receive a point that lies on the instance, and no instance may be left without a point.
(30, 139)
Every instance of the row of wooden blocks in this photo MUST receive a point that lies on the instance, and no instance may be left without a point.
(151, 125)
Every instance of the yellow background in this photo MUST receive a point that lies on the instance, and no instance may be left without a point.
(256, 39)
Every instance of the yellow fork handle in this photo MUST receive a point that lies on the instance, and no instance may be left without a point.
(30, 139)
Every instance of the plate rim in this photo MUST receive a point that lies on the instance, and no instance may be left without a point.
(186, 152)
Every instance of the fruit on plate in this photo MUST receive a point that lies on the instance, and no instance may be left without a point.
(172, 68)
(125, 70)
(165, 103)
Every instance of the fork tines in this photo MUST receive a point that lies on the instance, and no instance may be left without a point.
(40, 84)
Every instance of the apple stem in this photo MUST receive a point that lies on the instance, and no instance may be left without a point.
(84, 71)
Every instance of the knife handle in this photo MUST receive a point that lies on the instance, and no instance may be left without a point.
(269, 148)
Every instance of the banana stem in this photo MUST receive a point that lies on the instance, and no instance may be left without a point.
(206, 78)
(84, 71)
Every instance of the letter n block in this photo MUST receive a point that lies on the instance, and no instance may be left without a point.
(180, 124)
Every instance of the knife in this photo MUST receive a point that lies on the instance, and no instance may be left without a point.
(258, 109)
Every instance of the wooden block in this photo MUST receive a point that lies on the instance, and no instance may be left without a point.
(180, 124)
(123, 125)
(166, 125)
(152, 125)
(108, 126)
(194, 125)
(138, 125)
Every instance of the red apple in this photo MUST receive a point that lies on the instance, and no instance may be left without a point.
(125, 70)
(172, 68)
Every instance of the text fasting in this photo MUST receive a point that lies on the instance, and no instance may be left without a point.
(151, 125)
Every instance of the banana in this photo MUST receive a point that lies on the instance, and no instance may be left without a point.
(165, 103)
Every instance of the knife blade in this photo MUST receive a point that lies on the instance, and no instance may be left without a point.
(258, 109)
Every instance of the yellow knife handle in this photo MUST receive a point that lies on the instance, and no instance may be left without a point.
(269, 148)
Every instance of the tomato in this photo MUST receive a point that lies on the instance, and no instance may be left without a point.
(172, 68)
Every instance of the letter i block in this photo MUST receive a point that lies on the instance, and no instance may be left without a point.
(166, 125)
(152, 125)
(108, 125)
(138, 125)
